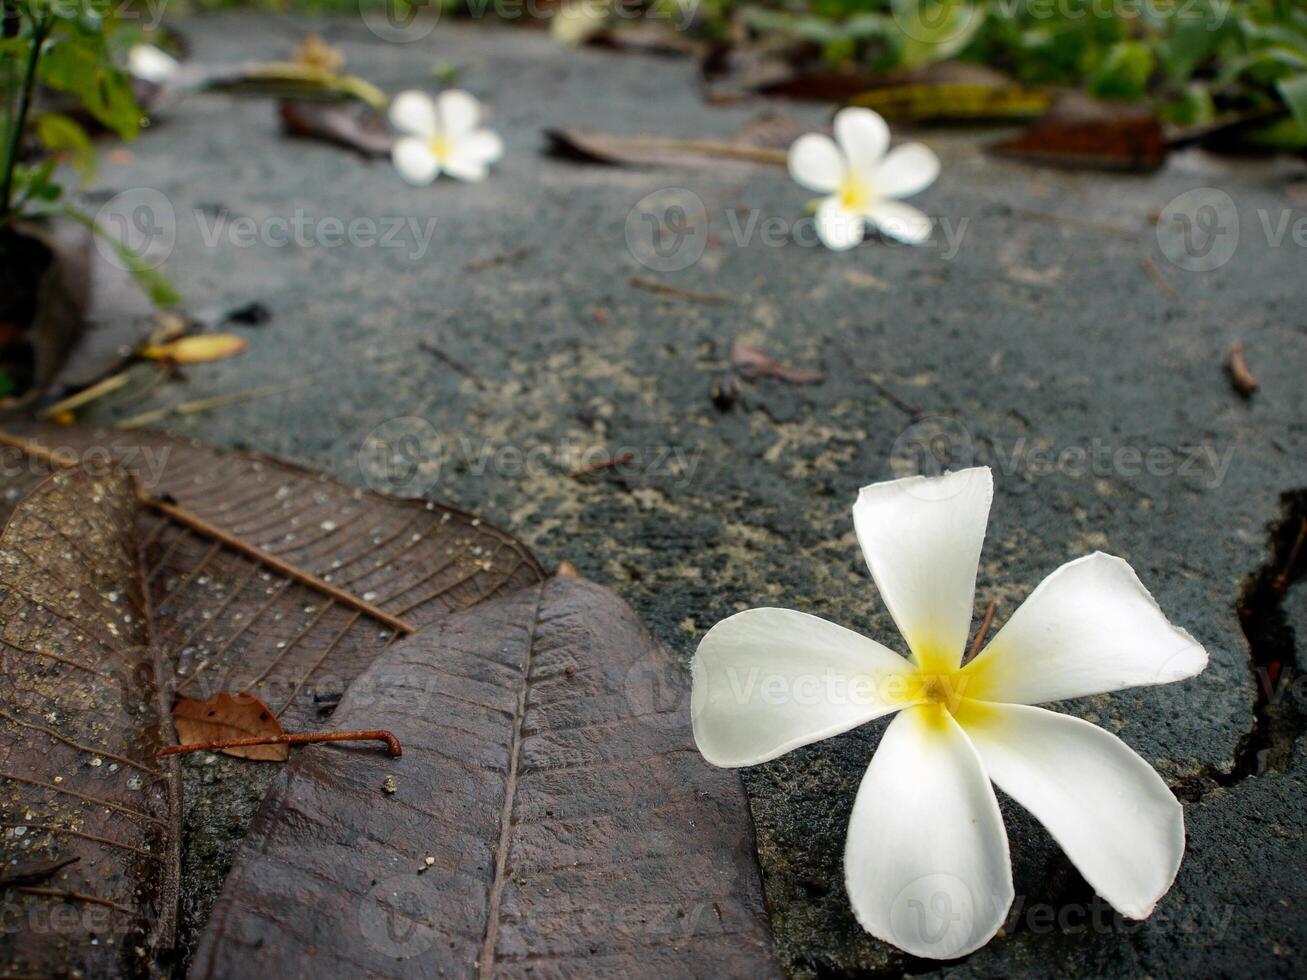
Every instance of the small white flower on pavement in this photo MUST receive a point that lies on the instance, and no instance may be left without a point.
(441, 136)
(862, 181)
(151, 64)
(926, 860)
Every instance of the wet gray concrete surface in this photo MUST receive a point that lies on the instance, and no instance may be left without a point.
(1050, 331)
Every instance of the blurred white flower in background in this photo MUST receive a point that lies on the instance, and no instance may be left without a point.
(151, 64)
(442, 136)
(864, 182)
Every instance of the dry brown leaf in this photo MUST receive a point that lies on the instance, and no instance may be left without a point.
(82, 714)
(227, 715)
(1241, 375)
(355, 127)
(197, 349)
(232, 623)
(1081, 132)
(648, 151)
(550, 816)
(32, 872)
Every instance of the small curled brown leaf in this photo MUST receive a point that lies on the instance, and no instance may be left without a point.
(226, 716)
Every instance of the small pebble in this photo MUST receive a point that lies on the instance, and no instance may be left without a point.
(388, 785)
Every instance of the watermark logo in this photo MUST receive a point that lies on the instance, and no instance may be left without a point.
(400, 21)
(396, 917)
(937, 444)
(935, 22)
(667, 231)
(932, 446)
(1198, 231)
(656, 688)
(934, 912)
(143, 222)
(401, 456)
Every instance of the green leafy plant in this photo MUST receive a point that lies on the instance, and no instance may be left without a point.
(61, 49)
(1197, 61)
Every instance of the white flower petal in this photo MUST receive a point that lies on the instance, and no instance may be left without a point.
(459, 113)
(900, 221)
(921, 537)
(414, 113)
(864, 138)
(839, 228)
(415, 161)
(1088, 628)
(482, 144)
(151, 64)
(909, 169)
(1112, 814)
(465, 166)
(926, 861)
(816, 163)
(770, 680)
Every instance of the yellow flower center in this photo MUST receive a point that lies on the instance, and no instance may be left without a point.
(854, 194)
(439, 148)
(945, 689)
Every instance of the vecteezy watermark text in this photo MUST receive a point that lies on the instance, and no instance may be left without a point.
(669, 230)
(147, 462)
(303, 230)
(145, 223)
(938, 443)
(406, 455)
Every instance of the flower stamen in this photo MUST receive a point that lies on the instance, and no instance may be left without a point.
(854, 194)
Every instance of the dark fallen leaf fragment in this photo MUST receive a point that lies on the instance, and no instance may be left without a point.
(676, 292)
(647, 37)
(1241, 375)
(550, 794)
(503, 258)
(725, 391)
(448, 359)
(607, 463)
(951, 91)
(82, 713)
(45, 299)
(771, 127)
(33, 872)
(732, 72)
(590, 146)
(354, 126)
(754, 363)
(1082, 132)
(252, 314)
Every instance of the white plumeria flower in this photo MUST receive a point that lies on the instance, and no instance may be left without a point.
(926, 860)
(151, 64)
(441, 137)
(863, 182)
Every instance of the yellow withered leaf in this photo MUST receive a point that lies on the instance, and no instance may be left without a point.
(197, 349)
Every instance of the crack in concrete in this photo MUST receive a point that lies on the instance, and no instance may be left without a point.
(1272, 658)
